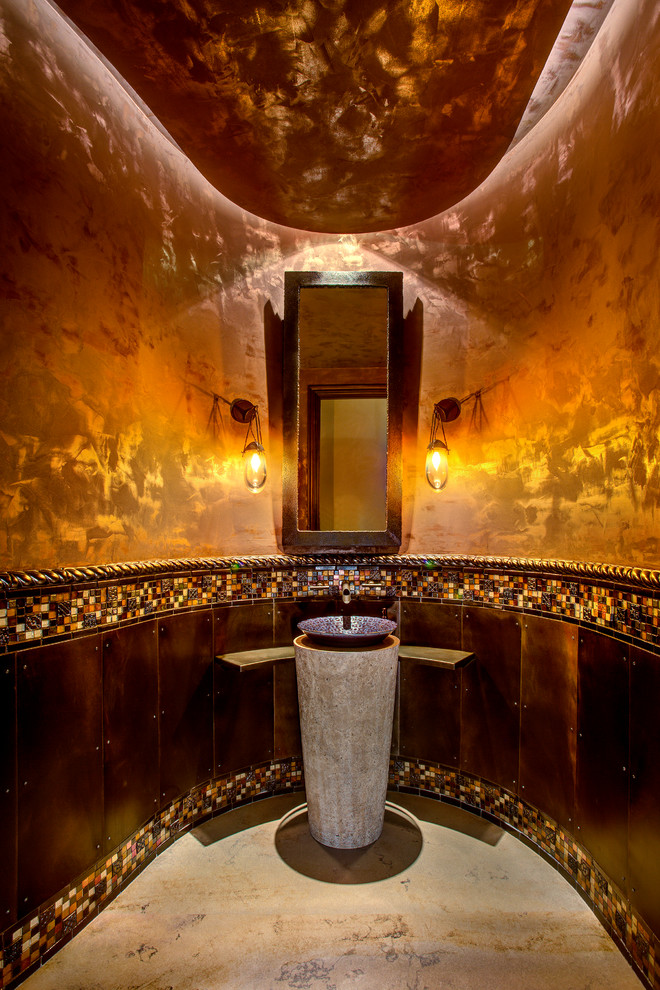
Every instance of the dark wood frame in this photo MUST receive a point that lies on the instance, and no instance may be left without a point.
(295, 540)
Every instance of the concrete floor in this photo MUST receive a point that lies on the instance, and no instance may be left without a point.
(476, 909)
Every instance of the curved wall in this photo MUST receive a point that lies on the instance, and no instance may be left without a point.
(121, 729)
(134, 291)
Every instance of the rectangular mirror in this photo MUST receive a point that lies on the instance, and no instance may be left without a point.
(342, 411)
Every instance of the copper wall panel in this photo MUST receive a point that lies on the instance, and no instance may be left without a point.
(601, 796)
(60, 771)
(548, 719)
(287, 739)
(130, 728)
(490, 711)
(243, 716)
(243, 627)
(431, 624)
(185, 680)
(429, 712)
(644, 835)
(8, 825)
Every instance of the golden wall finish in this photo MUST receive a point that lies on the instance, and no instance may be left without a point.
(133, 291)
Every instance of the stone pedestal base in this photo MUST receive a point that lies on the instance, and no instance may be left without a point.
(346, 702)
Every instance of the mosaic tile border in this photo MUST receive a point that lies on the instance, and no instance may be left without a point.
(30, 942)
(38, 607)
(632, 936)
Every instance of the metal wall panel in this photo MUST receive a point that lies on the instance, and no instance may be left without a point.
(130, 727)
(243, 716)
(601, 799)
(644, 835)
(60, 792)
(548, 721)
(8, 808)
(243, 627)
(287, 741)
(429, 712)
(490, 710)
(431, 624)
(185, 678)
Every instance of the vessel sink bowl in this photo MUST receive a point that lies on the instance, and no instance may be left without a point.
(365, 630)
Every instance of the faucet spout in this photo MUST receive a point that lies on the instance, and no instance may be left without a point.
(346, 601)
(346, 593)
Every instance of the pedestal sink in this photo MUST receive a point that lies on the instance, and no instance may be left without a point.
(346, 697)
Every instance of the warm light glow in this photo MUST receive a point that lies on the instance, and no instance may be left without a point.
(255, 467)
(437, 465)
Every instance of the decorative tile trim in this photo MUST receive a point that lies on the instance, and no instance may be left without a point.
(39, 607)
(629, 932)
(34, 939)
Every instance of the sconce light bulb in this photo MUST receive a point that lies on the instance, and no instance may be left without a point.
(437, 465)
(255, 467)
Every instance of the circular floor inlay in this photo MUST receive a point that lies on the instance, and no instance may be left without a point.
(399, 845)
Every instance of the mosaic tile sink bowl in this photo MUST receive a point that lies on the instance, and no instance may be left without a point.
(347, 631)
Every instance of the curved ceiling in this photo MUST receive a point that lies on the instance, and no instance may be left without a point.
(337, 116)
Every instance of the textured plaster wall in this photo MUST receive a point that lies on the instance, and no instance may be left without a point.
(132, 291)
(128, 300)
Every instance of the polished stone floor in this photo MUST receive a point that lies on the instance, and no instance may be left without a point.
(447, 904)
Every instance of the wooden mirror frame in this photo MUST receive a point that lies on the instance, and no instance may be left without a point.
(295, 540)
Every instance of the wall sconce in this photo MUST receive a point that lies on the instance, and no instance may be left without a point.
(254, 455)
(437, 460)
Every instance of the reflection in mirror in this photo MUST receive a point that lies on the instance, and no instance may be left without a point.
(342, 417)
(352, 464)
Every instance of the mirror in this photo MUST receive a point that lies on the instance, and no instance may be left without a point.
(342, 372)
